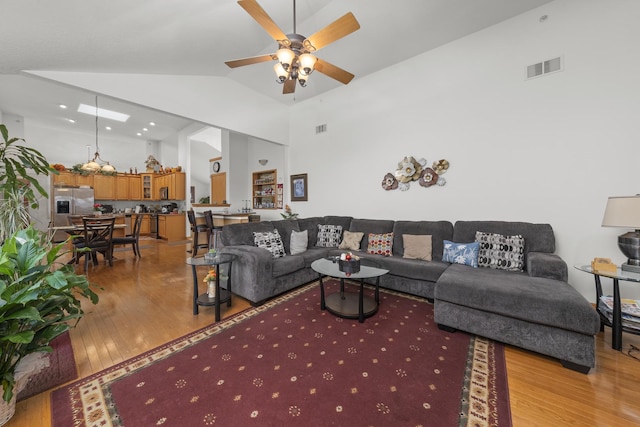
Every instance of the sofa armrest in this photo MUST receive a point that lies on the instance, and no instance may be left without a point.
(253, 265)
(546, 265)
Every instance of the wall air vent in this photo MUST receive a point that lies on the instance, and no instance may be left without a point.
(544, 67)
(321, 128)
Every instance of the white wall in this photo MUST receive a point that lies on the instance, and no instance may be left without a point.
(546, 150)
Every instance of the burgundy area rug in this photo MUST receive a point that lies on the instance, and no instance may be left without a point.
(62, 369)
(287, 363)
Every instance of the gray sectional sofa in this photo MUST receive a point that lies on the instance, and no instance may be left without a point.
(536, 309)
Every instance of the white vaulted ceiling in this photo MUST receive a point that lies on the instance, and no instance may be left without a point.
(195, 37)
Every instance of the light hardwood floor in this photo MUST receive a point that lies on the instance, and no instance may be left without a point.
(147, 302)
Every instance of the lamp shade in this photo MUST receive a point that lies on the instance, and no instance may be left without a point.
(622, 212)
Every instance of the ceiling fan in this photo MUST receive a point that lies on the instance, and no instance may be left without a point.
(295, 52)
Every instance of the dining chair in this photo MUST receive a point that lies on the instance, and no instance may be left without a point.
(196, 229)
(97, 238)
(132, 239)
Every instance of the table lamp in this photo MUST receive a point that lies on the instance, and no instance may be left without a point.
(625, 212)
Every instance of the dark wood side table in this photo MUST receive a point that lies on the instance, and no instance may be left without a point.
(616, 324)
(222, 294)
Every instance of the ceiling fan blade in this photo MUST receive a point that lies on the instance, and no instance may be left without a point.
(334, 31)
(258, 13)
(248, 61)
(289, 86)
(334, 72)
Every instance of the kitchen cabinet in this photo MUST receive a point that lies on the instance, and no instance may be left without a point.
(171, 227)
(69, 178)
(175, 183)
(177, 187)
(122, 187)
(218, 188)
(135, 187)
(264, 189)
(145, 225)
(104, 187)
(148, 187)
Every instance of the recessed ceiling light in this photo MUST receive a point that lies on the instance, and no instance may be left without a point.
(152, 123)
(107, 127)
(71, 120)
(144, 129)
(62, 106)
(139, 134)
(101, 112)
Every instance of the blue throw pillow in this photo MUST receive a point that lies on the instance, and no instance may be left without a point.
(461, 253)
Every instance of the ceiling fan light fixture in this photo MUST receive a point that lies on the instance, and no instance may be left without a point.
(307, 63)
(281, 73)
(285, 57)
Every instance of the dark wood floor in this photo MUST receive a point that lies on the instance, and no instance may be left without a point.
(147, 302)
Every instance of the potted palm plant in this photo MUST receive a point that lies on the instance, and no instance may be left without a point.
(39, 295)
(18, 165)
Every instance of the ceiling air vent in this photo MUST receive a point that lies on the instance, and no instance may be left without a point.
(321, 128)
(544, 67)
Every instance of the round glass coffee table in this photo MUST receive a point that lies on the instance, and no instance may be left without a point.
(349, 305)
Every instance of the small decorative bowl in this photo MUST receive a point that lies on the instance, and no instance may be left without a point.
(349, 267)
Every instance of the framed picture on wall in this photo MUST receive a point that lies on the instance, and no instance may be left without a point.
(299, 189)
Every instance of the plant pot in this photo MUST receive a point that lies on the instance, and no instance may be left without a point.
(7, 410)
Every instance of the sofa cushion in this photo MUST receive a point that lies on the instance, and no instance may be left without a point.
(351, 240)
(312, 254)
(367, 226)
(242, 234)
(513, 294)
(417, 246)
(287, 265)
(380, 244)
(410, 268)
(500, 252)
(329, 236)
(285, 227)
(271, 241)
(461, 253)
(311, 225)
(438, 230)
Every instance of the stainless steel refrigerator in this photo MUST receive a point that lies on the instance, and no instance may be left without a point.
(69, 201)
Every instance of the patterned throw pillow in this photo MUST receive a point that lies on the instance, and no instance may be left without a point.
(501, 252)
(461, 253)
(271, 241)
(380, 244)
(329, 236)
(351, 240)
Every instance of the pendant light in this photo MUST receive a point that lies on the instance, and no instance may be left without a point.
(92, 165)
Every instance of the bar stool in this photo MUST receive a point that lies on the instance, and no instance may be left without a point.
(214, 232)
(196, 229)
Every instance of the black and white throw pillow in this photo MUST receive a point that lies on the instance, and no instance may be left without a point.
(329, 236)
(271, 241)
(500, 252)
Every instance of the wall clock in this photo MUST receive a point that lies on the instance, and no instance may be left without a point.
(216, 167)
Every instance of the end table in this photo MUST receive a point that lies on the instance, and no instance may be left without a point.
(616, 323)
(222, 295)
